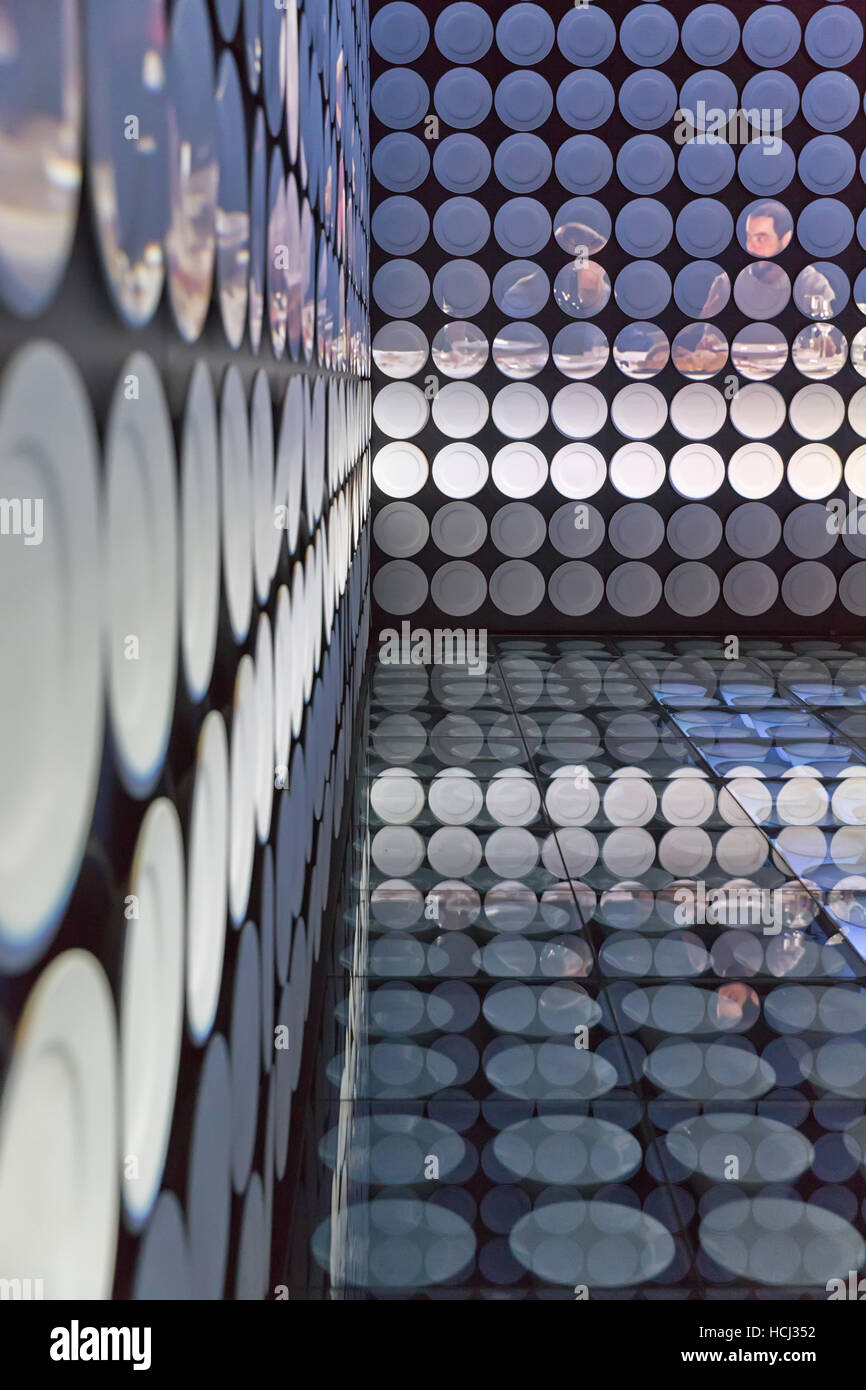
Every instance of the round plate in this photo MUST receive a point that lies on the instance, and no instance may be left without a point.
(634, 589)
(523, 100)
(579, 470)
(459, 409)
(814, 471)
(644, 226)
(642, 289)
(755, 470)
(809, 588)
(236, 504)
(834, 36)
(639, 411)
(647, 99)
(400, 470)
(750, 588)
(645, 163)
(806, 532)
(579, 411)
(522, 163)
(200, 533)
(772, 91)
(208, 1187)
(400, 587)
(575, 588)
(771, 36)
(852, 589)
(243, 754)
(461, 226)
(519, 411)
(59, 1135)
(827, 164)
(710, 35)
(817, 411)
(692, 589)
(697, 471)
(753, 530)
(460, 470)
(825, 227)
(584, 164)
(576, 531)
(458, 588)
(206, 880)
(151, 1004)
(141, 573)
(401, 226)
(190, 240)
(522, 226)
(831, 101)
(245, 1054)
(704, 228)
(162, 1265)
(462, 97)
(458, 529)
(51, 710)
(400, 98)
(401, 530)
(636, 531)
(233, 208)
(518, 530)
(517, 587)
(766, 170)
(463, 32)
(758, 411)
(648, 35)
(519, 470)
(637, 470)
(586, 36)
(585, 100)
(694, 531)
(699, 411)
(706, 169)
(401, 162)
(525, 34)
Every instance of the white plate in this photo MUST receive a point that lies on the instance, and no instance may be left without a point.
(750, 588)
(518, 530)
(629, 801)
(808, 588)
(400, 410)
(51, 707)
(289, 466)
(59, 1135)
(627, 851)
(243, 741)
(752, 530)
(637, 470)
(639, 411)
(519, 470)
(692, 589)
(236, 504)
(855, 472)
(636, 530)
(578, 470)
(200, 532)
(400, 470)
(40, 135)
(694, 531)
(512, 797)
(397, 796)
(758, 411)
(814, 471)
(849, 801)
(458, 588)
(519, 412)
(315, 449)
(141, 578)
(460, 470)
(459, 409)
(454, 851)
(688, 801)
(857, 412)
(206, 878)
(265, 756)
(579, 411)
(697, 471)
(576, 588)
(817, 411)
(266, 536)
(151, 1005)
(698, 411)
(457, 529)
(455, 797)
(802, 801)
(633, 589)
(685, 851)
(755, 470)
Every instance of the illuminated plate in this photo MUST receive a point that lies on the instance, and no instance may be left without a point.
(151, 1004)
(190, 241)
(51, 708)
(59, 1135)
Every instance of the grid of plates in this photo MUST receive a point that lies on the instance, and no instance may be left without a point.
(184, 566)
(618, 344)
(599, 1005)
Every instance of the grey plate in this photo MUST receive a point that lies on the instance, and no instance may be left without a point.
(772, 91)
(400, 98)
(694, 531)
(636, 531)
(706, 169)
(463, 98)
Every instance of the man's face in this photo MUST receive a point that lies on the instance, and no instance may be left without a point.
(761, 237)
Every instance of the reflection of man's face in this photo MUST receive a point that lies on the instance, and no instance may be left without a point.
(762, 238)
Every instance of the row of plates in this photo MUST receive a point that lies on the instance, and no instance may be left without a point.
(178, 189)
(710, 35)
(119, 581)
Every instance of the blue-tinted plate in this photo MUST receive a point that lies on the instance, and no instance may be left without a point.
(461, 226)
(648, 35)
(645, 164)
(772, 91)
(400, 225)
(523, 100)
(400, 98)
(400, 32)
(644, 227)
(525, 34)
(834, 36)
(827, 164)
(642, 289)
(831, 101)
(713, 89)
(461, 163)
(585, 100)
(584, 164)
(711, 34)
(586, 36)
(523, 163)
(648, 99)
(522, 227)
(704, 227)
(706, 168)
(401, 162)
(464, 32)
(826, 227)
(771, 36)
(764, 172)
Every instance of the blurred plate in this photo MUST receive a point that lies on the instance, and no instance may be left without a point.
(236, 501)
(207, 877)
(190, 241)
(200, 532)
